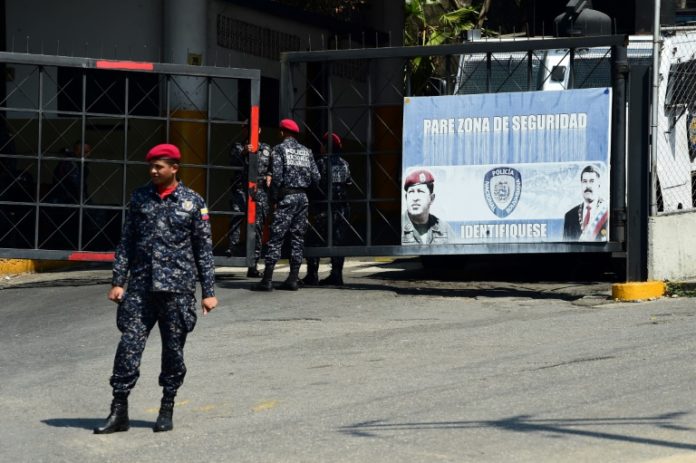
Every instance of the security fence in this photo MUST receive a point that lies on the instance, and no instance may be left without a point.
(359, 94)
(675, 124)
(73, 137)
(74, 132)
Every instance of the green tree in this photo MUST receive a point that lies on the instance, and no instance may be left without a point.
(437, 22)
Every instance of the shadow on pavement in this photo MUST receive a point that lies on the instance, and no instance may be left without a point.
(424, 290)
(90, 423)
(549, 427)
(427, 289)
(517, 268)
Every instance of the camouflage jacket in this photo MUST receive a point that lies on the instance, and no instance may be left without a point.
(166, 243)
(293, 166)
(340, 175)
(240, 158)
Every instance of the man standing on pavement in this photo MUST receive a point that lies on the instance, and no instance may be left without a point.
(340, 181)
(165, 247)
(293, 171)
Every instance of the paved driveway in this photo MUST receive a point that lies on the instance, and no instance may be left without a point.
(392, 368)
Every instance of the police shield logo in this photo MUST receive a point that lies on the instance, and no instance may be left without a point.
(502, 188)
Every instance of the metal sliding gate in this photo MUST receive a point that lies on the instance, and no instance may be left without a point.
(73, 137)
(359, 94)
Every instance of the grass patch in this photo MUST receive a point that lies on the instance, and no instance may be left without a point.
(679, 289)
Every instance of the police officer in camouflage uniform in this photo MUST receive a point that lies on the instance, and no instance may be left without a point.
(340, 210)
(261, 196)
(239, 157)
(165, 247)
(293, 171)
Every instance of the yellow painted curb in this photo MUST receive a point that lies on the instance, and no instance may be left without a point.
(17, 266)
(638, 291)
(14, 266)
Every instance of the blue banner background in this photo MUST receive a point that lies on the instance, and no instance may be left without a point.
(549, 160)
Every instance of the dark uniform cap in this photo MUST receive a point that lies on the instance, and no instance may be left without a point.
(165, 150)
(335, 139)
(417, 177)
(289, 124)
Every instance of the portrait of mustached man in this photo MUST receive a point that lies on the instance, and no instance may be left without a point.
(588, 220)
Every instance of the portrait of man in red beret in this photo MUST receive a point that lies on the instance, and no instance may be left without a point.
(418, 225)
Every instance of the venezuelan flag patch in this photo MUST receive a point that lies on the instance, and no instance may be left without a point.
(204, 214)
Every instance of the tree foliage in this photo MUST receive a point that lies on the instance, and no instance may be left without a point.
(429, 22)
(437, 22)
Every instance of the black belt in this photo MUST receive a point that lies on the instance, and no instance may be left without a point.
(292, 191)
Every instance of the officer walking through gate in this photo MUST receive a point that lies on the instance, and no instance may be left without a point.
(293, 171)
(238, 202)
(340, 210)
(165, 247)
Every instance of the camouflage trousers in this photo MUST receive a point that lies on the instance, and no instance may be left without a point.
(175, 314)
(290, 217)
(238, 204)
(263, 210)
(340, 221)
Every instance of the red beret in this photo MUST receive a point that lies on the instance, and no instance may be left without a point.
(335, 138)
(165, 150)
(289, 124)
(418, 177)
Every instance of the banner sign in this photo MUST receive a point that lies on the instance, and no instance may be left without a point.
(506, 167)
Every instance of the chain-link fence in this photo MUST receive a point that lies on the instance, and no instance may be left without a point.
(675, 126)
(73, 137)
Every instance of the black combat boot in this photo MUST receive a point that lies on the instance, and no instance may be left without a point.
(117, 420)
(312, 277)
(252, 272)
(290, 284)
(164, 419)
(335, 278)
(266, 283)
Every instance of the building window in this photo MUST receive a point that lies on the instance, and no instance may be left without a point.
(254, 40)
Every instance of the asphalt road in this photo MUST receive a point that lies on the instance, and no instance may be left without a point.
(392, 368)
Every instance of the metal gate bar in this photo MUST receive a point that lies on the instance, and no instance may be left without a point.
(50, 120)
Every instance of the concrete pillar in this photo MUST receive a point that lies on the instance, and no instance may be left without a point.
(184, 42)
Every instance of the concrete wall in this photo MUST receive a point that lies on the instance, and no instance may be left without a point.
(672, 246)
(127, 29)
(220, 56)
